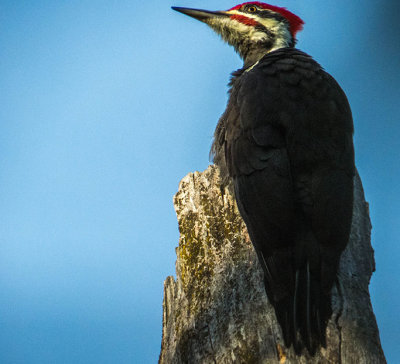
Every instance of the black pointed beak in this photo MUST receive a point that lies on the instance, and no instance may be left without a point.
(202, 15)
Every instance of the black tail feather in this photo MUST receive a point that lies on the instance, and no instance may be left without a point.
(296, 344)
(303, 316)
(308, 308)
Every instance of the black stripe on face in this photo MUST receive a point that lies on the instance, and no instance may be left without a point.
(265, 30)
(266, 14)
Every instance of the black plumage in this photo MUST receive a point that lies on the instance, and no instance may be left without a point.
(285, 141)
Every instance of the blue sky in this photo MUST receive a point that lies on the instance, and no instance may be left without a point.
(105, 106)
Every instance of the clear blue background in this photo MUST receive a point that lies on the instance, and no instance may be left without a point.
(105, 106)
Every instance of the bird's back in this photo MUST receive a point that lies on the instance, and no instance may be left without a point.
(285, 141)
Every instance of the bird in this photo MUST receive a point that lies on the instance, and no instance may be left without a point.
(285, 144)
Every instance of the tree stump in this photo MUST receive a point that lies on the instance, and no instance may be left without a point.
(217, 311)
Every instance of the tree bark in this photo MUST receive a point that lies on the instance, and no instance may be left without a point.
(217, 311)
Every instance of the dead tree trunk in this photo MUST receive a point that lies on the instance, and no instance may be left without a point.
(217, 311)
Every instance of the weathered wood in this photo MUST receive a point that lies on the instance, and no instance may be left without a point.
(216, 311)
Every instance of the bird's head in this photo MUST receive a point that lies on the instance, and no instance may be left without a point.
(252, 28)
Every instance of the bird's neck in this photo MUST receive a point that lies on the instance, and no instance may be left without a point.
(253, 56)
(255, 51)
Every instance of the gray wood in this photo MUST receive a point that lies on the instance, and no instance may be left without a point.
(216, 311)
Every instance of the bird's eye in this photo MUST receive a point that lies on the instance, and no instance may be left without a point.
(252, 9)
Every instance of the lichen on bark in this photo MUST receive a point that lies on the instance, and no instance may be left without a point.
(216, 311)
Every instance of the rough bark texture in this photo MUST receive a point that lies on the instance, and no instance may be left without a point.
(217, 311)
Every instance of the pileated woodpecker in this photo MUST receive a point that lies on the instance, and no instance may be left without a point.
(285, 142)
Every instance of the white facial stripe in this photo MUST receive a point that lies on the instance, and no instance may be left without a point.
(238, 13)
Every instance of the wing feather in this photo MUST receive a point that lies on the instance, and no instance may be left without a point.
(287, 142)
